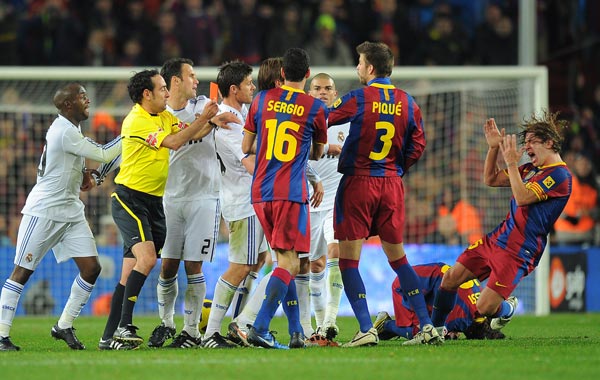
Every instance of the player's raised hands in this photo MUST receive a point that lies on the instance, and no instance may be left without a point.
(493, 136)
(510, 152)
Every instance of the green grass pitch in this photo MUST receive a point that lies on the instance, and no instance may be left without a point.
(560, 346)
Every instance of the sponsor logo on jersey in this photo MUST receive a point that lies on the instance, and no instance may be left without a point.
(152, 140)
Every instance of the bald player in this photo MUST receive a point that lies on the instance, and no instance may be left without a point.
(53, 217)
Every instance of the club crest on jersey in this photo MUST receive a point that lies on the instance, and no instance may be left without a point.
(548, 182)
(341, 137)
(29, 257)
(530, 174)
(151, 139)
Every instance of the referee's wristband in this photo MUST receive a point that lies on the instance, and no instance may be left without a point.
(213, 124)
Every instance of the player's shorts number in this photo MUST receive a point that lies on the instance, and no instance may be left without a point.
(386, 139)
(277, 138)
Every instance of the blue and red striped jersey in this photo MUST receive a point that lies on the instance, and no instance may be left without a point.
(286, 122)
(386, 130)
(525, 229)
(430, 277)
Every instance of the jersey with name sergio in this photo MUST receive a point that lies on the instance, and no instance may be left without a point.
(386, 130)
(525, 230)
(55, 195)
(194, 171)
(285, 120)
(144, 162)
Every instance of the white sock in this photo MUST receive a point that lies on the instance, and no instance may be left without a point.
(194, 298)
(240, 298)
(224, 292)
(335, 287)
(303, 291)
(80, 294)
(318, 296)
(249, 312)
(166, 292)
(9, 298)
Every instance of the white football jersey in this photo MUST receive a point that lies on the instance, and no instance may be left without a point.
(326, 167)
(236, 181)
(55, 195)
(194, 171)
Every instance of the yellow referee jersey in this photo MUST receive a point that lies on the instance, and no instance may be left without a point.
(144, 163)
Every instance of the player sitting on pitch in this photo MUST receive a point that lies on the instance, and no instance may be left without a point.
(463, 318)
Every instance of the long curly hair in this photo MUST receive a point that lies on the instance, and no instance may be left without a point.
(546, 127)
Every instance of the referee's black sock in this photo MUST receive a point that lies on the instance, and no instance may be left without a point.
(116, 305)
(133, 288)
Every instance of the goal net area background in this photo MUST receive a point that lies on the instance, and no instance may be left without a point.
(447, 204)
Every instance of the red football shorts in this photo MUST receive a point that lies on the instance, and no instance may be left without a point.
(286, 224)
(368, 206)
(503, 269)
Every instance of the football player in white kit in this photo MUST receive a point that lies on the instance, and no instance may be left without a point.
(53, 216)
(247, 242)
(192, 210)
(326, 289)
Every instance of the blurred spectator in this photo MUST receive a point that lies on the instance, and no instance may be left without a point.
(579, 219)
(170, 37)
(50, 35)
(100, 50)
(420, 14)
(249, 23)
(133, 52)
(8, 35)
(326, 48)
(137, 34)
(287, 30)
(200, 33)
(496, 40)
(458, 221)
(443, 43)
(390, 26)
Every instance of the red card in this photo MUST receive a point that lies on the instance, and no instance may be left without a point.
(214, 91)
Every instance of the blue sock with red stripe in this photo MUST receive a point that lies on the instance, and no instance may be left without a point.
(276, 290)
(355, 291)
(411, 287)
(443, 303)
(291, 309)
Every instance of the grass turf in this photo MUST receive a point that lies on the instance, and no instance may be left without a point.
(553, 347)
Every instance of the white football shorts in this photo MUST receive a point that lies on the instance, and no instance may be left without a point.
(246, 240)
(66, 239)
(321, 233)
(192, 229)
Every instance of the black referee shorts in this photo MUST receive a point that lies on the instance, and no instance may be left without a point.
(140, 217)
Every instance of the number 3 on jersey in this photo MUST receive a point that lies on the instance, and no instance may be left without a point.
(277, 138)
(386, 139)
